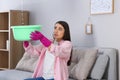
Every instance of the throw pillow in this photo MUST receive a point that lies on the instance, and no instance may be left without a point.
(27, 62)
(99, 67)
(81, 70)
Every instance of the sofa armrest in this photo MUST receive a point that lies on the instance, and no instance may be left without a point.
(112, 66)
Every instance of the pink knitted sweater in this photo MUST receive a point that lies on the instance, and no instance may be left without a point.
(61, 53)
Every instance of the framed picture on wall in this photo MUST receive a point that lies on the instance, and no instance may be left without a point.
(88, 29)
(101, 6)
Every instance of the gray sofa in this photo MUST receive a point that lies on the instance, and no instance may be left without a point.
(91, 64)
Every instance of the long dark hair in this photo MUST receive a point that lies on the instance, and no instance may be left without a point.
(66, 36)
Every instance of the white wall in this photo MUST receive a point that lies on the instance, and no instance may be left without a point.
(75, 12)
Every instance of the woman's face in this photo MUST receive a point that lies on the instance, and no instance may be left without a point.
(58, 32)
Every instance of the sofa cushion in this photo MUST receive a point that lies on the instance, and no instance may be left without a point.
(14, 75)
(99, 67)
(82, 62)
(27, 62)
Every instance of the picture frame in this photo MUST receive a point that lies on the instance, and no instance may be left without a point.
(88, 29)
(101, 6)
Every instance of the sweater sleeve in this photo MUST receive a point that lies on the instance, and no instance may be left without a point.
(63, 50)
(33, 50)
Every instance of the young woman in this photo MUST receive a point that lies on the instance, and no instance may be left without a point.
(54, 55)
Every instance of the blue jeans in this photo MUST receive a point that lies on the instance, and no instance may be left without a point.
(38, 78)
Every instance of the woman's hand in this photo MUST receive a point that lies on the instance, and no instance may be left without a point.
(36, 35)
(25, 43)
(39, 36)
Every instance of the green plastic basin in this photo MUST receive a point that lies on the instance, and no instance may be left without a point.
(22, 33)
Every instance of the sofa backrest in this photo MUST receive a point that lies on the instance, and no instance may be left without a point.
(97, 63)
